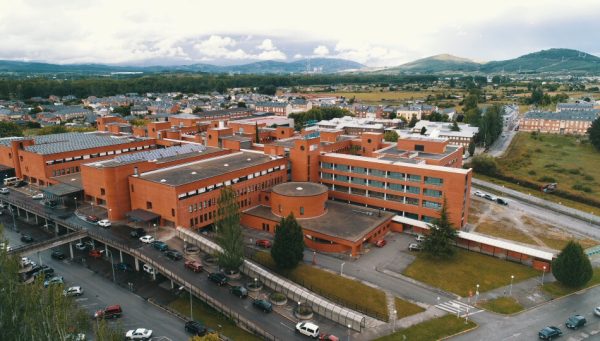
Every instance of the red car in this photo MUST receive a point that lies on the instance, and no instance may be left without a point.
(95, 253)
(328, 337)
(92, 218)
(380, 243)
(193, 265)
(264, 243)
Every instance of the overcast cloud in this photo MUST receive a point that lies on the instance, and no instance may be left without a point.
(375, 32)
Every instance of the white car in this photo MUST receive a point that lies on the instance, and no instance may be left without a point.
(597, 311)
(5, 247)
(478, 194)
(420, 238)
(38, 196)
(147, 239)
(308, 329)
(80, 246)
(25, 262)
(73, 291)
(104, 223)
(139, 334)
(4, 190)
(147, 268)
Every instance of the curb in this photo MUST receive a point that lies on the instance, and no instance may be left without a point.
(461, 333)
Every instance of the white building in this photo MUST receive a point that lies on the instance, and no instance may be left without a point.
(463, 137)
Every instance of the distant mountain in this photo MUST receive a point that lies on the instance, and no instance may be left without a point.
(436, 64)
(557, 61)
(322, 65)
(552, 60)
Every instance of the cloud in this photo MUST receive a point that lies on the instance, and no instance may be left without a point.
(266, 45)
(298, 56)
(219, 47)
(321, 50)
(368, 54)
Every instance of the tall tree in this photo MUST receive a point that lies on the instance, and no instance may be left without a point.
(390, 136)
(455, 126)
(229, 232)
(439, 241)
(471, 148)
(572, 267)
(594, 131)
(8, 129)
(413, 121)
(288, 245)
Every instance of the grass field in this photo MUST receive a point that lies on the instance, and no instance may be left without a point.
(347, 292)
(211, 318)
(502, 305)
(393, 96)
(566, 160)
(505, 231)
(465, 270)
(432, 330)
(405, 308)
(557, 290)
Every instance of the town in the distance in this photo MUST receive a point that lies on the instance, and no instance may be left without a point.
(426, 202)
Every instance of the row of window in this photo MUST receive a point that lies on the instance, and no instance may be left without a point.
(383, 185)
(63, 171)
(386, 196)
(92, 156)
(410, 215)
(382, 173)
(228, 183)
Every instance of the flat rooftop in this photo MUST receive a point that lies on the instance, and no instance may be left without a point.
(158, 156)
(340, 157)
(393, 150)
(299, 189)
(68, 142)
(344, 221)
(205, 169)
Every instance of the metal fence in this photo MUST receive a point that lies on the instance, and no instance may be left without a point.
(293, 291)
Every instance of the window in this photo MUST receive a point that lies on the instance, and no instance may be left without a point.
(172, 212)
(375, 183)
(412, 201)
(359, 170)
(396, 175)
(358, 181)
(413, 189)
(414, 178)
(341, 178)
(396, 187)
(343, 168)
(301, 210)
(432, 204)
(434, 181)
(377, 172)
(419, 148)
(326, 165)
(102, 191)
(148, 205)
(432, 193)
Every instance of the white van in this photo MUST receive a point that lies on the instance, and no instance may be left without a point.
(10, 181)
(308, 329)
(147, 268)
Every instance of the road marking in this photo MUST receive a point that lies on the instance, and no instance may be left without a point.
(81, 299)
(89, 305)
(459, 307)
(285, 325)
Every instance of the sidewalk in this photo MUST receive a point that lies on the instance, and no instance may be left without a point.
(528, 293)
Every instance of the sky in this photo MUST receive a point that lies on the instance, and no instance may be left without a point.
(375, 33)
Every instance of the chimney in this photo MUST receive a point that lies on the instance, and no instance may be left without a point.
(135, 171)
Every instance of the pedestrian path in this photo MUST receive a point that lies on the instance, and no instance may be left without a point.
(457, 307)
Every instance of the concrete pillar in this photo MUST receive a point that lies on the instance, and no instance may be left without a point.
(172, 284)
(56, 228)
(39, 258)
(71, 249)
(154, 275)
(106, 249)
(27, 215)
(36, 219)
(121, 256)
(18, 211)
(137, 264)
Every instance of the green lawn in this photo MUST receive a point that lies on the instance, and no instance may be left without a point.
(350, 293)
(502, 305)
(556, 289)
(432, 330)
(405, 308)
(566, 160)
(465, 270)
(211, 318)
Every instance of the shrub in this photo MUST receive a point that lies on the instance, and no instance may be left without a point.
(538, 150)
(574, 171)
(589, 178)
(572, 266)
(546, 178)
(550, 165)
(484, 164)
(531, 172)
(277, 297)
(304, 309)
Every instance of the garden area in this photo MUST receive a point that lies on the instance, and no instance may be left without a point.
(557, 289)
(432, 330)
(502, 305)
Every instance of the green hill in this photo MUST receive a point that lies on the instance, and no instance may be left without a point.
(436, 64)
(552, 60)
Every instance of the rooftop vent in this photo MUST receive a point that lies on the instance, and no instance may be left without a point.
(248, 159)
(226, 165)
(194, 173)
(299, 188)
(163, 180)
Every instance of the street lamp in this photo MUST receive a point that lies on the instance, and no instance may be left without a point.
(75, 200)
(349, 326)
(155, 231)
(512, 277)
(394, 322)
(112, 265)
(342, 268)
(477, 294)
(543, 273)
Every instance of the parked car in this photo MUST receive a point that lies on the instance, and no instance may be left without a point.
(75, 337)
(5, 247)
(92, 218)
(147, 239)
(597, 311)
(550, 332)
(193, 265)
(149, 269)
(95, 253)
(53, 280)
(264, 243)
(20, 184)
(38, 196)
(414, 247)
(218, 278)
(239, 291)
(328, 337)
(112, 311)
(263, 305)
(50, 203)
(160, 246)
(380, 243)
(139, 334)
(25, 238)
(173, 255)
(25, 261)
(502, 201)
(478, 194)
(123, 267)
(575, 321)
(420, 238)
(137, 232)
(43, 270)
(56, 254)
(104, 223)
(308, 329)
(73, 291)
(80, 246)
(195, 328)
(4, 190)
(489, 197)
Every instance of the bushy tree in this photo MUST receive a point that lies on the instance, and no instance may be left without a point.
(228, 229)
(471, 148)
(572, 267)
(8, 129)
(594, 131)
(455, 126)
(423, 130)
(484, 164)
(390, 136)
(413, 121)
(288, 245)
(439, 242)
(55, 129)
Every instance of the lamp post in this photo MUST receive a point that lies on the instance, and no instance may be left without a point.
(155, 231)
(342, 268)
(543, 273)
(112, 265)
(512, 277)
(92, 204)
(191, 310)
(75, 200)
(477, 294)
(349, 326)
(12, 213)
(394, 322)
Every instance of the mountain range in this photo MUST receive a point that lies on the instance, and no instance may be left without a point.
(552, 61)
(322, 65)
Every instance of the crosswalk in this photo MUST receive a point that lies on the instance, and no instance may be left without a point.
(458, 307)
